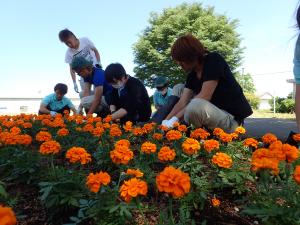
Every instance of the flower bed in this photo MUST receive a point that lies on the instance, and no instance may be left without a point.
(87, 170)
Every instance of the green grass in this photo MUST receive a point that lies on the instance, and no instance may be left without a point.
(270, 114)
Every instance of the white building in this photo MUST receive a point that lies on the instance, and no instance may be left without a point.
(265, 100)
(10, 106)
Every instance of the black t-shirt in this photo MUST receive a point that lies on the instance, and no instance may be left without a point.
(228, 94)
(134, 99)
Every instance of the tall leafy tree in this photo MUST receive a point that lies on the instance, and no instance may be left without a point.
(152, 50)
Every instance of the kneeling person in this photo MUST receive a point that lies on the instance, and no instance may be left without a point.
(129, 99)
(57, 102)
(92, 101)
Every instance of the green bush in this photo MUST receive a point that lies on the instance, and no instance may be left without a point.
(284, 105)
(253, 100)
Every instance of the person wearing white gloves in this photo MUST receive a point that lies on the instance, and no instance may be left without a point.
(211, 96)
(57, 102)
(79, 47)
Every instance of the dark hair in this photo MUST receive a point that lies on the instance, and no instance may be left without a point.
(62, 88)
(188, 48)
(114, 71)
(298, 17)
(65, 34)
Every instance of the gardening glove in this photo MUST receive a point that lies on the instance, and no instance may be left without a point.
(164, 122)
(53, 113)
(170, 123)
(75, 87)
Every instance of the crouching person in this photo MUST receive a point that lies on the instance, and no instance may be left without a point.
(92, 101)
(57, 102)
(211, 96)
(129, 99)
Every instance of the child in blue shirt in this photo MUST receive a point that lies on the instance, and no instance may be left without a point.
(162, 92)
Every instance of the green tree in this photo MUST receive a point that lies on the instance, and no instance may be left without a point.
(152, 50)
(246, 82)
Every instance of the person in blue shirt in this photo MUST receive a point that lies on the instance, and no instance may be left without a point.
(296, 71)
(162, 92)
(57, 102)
(92, 101)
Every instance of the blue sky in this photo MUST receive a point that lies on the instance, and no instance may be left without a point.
(32, 58)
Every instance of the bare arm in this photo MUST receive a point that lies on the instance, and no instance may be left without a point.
(97, 99)
(119, 114)
(97, 54)
(207, 90)
(44, 109)
(297, 106)
(86, 90)
(181, 104)
(73, 75)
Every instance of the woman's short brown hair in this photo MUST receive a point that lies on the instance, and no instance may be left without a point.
(188, 48)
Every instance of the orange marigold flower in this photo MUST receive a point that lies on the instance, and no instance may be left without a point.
(98, 131)
(15, 130)
(115, 131)
(138, 131)
(240, 130)
(291, 152)
(63, 132)
(190, 146)
(135, 172)
(182, 128)
(173, 135)
(226, 138)
(163, 128)
(199, 134)
(95, 180)
(148, 147)
(128, 126)
(121, 155)
(78, 154)
(122, 142)
(43, 136)
(27, 125)
(148, 127)
(107, 119)
(210, 145)
(8, 138)
(222, 160)
(24, 139)
(268, 138)
(78, 129)
(50, 147)
(218, 131)
(88, 128)
(296, 137)
(265, 163)
(215, 202)
(166, 154)
(157, 136)
(234, 136)
(173, 181)
(250, 142)
(132, 188)
(7, 216)
(296, 174)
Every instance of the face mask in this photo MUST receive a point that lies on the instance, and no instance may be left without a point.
(163, 92)
(118, 86)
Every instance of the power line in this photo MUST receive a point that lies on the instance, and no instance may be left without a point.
(263, 74)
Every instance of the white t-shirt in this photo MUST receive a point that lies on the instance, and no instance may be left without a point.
(84, 49)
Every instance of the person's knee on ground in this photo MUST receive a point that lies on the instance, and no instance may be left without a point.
(200, 112)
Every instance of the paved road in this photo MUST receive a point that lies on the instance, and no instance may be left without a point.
(257, 127)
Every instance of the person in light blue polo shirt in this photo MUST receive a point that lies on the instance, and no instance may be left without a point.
(57, 102)
(162, 92)
(297, 72)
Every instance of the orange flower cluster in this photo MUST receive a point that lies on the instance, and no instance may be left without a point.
(132, 188)
(98, 131)
(43, 136)
(135, 172)
(95, 180)
(190, 146)
(173, 135)
(210, 145)
(296, 174)
(78, 154)
(27, 125)
(122, 142)
(166, 154)
(148, 127)
(63, 132)
(240, 130)
(226, 138)
(121, 155)
(128, 126)
(115, 131)
(7, 216)
(182, 128)
(24, 139)
(296, 137)
(215, 202)
(250, 142)
(222, 160)
(88, 128)
(268, 138)
(137, 131)
(218, 131)
(199, 134)
(157, 136)
(148, 147)
(15, 130)
(173, 181)
(107, 119)
(7, 138)
(50, 147)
